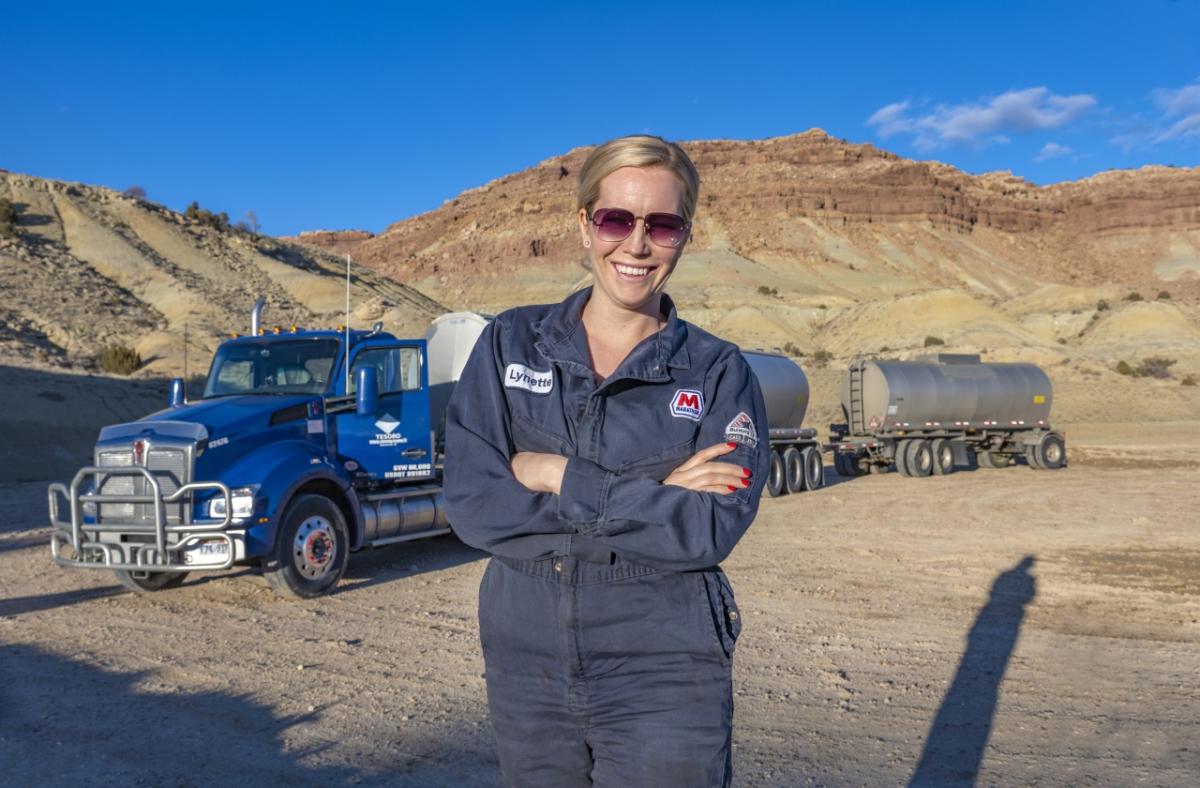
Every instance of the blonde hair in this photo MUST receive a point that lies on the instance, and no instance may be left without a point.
(637, 150)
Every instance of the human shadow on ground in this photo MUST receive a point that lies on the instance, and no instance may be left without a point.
(67, 722)
(959, 733)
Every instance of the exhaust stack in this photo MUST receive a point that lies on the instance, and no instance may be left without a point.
(256, 316)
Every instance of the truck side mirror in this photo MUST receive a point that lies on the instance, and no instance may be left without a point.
(367, 394)
(178, 394)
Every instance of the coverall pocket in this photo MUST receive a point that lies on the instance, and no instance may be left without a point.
(527, 436)
(724, 620)
(659, 465)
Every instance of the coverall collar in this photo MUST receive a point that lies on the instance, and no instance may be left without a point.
(563, 341)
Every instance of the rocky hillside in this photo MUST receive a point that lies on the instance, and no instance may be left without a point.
(815, 244)
(85, 267)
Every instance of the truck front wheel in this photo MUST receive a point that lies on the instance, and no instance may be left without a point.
(312, 549)
(142, 582)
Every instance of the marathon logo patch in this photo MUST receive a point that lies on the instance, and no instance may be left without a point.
(688, 404)
(519, 376)
(741, 430)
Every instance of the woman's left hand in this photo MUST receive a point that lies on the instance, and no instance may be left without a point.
(539, 472)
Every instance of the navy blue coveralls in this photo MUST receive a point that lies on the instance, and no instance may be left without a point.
(607, 627)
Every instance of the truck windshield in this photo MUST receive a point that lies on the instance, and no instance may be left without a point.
(272, 367)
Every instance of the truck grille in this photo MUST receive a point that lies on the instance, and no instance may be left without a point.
(171, 468)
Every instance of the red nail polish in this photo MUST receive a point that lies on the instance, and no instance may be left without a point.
(731, 488)
(746, 472)
(731, 445)
(745, 482)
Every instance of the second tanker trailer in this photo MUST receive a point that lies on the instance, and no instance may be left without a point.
(925, 416)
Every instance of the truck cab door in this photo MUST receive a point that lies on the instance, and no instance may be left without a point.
(394, 442)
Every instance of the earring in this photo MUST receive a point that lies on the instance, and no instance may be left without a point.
(587, 244)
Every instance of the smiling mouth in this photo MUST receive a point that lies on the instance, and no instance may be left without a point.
(632, 272)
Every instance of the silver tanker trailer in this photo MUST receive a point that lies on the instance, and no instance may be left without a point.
(796, 462)
(927, 415)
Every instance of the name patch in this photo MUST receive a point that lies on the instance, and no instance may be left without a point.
(741, 430)
(519, 376)
(688, 404)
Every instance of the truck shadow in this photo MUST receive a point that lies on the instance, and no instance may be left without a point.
(66, 722)
(960, 730)
(18, 606)
(396, 562)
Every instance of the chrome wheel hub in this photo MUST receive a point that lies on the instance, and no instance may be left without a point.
(314, 548)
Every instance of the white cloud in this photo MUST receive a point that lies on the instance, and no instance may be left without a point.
(1052, 150)
(984, 121)
(1178, 119)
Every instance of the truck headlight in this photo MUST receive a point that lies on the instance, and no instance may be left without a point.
(243, 503)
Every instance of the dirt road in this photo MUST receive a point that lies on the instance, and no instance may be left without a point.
(1005, 627)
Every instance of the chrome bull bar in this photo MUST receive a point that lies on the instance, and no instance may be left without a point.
(136, 556)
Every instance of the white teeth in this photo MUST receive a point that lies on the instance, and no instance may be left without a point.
(630, 270)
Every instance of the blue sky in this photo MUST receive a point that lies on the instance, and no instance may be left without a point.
(315, 116)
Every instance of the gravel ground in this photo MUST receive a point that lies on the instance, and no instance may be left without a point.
(1005, 627)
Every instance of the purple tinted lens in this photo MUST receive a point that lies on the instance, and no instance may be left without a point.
(613, 224)
(665, 229)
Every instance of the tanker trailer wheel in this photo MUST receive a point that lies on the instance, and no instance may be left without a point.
(919, 458)
(839, 465)
(991, 459)
(901, 458)
(943, 456)
(1032, 458)
(1051, 451)
(312, 549)
(143, 582)
(793, 470)
(814, 468)
(775, 478)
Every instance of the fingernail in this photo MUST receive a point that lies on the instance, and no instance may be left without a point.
(746, 472)
(731, 488)
(745, 482)
(731, 445)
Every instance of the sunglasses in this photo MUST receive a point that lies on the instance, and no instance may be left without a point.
(663, 229)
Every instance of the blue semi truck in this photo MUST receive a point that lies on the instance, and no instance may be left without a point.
(305, 446)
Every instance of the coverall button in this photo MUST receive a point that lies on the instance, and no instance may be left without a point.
(558, 566)
(733, 615)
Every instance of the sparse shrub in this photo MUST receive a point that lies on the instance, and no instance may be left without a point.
(791, 349)
(1101, 306)
(821, 357)
(136, 192)
(120, 359)
(1155, 367)
(8, 218)
(821, 306)
(1123, 368)
(932, 341)
(1134, 297)
(1062, 340)
(217, 221)
(885, 349)
(767, 291)
(1163, 295)
(1188, 380)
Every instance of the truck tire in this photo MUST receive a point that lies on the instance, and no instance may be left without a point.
(145, 582)
(312, 548)
(901, 457)
(793, 470)
(991, 459)
(919, 458)
(843, 465)
(1031, 457)
(775, 478)
(1051, 451)
(943, 456)
(814, 468)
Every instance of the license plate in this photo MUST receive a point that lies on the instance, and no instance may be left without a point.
(207, 553)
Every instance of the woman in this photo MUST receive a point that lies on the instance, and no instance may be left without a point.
(608, 455)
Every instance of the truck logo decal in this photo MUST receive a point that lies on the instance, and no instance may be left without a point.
(687, 404)
(217, 443)
(387, 425)
(741, 430)
(139, 452)
(519, 376)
